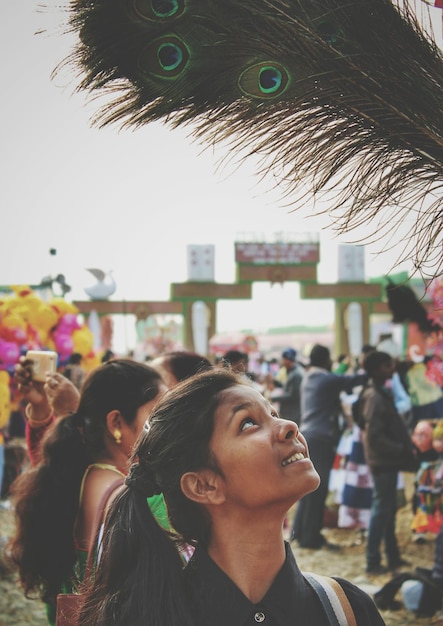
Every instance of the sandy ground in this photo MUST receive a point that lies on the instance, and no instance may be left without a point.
(349, 563)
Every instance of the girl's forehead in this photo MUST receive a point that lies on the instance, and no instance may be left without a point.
(240, 392)
(236, 397)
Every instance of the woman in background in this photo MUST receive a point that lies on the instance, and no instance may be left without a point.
(81, 456)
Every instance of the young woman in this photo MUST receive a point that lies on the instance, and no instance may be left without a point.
(229, 469)
(80, 456)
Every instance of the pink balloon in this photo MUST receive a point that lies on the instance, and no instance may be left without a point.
(9, 352)
(63, 344)
(68, 323)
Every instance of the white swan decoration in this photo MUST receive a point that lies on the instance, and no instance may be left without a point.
(103, 288)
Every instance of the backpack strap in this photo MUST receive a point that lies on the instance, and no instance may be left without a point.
(333, 598)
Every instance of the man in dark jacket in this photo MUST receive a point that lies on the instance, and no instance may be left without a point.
(388, 450)
(289, 400)
(320, 409)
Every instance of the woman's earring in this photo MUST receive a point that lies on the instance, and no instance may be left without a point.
(117, 436)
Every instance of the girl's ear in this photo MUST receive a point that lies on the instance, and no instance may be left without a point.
(114, 422)
(204, 487)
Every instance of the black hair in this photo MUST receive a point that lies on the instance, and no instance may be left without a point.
(107, 356)
(319, 356)
(374, 360)
(232, 357)
(184, 364)
(75, 358)
(139, 579)
(46, 497)
(367, 348)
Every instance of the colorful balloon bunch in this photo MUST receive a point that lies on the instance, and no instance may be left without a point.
(29, 323)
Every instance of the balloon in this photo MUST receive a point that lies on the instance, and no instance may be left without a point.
(43, 317)
(18, 335)
(27, 322)
(68, 323)
(63, 344)
(91, 361)
(21, 290)
(63, 306)
(34, 339)
(26, 306)
(5, 398)
(83, 341)
(13, 328)
(9, 353)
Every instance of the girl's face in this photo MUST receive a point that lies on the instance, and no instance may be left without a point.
(263, 459)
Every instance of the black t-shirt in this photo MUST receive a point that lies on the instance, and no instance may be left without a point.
(217, 601)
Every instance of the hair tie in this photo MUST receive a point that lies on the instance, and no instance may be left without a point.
(142, 480)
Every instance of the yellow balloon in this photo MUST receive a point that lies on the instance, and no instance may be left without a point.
(43, 317)
(83, 341)
(24, 305)
(64, 306)
(5, 398)
(91, 362)
(20, 290)
(11, 319)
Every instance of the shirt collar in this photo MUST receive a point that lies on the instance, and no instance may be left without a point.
(229, 605)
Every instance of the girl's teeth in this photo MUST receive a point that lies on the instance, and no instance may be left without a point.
(295, 457)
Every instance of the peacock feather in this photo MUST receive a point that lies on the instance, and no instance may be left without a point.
(345, 95)
(406, 307)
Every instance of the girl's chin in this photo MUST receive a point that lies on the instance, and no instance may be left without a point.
(308, 487)
(313, 483)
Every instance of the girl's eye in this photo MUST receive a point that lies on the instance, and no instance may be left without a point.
(275, 415)
(246, 423)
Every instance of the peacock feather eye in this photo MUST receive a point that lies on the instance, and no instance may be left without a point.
(264, 80)
(166, 57)
(155, 10)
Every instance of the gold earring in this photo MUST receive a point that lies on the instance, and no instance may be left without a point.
(117, 436)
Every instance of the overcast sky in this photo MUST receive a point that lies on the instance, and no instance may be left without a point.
(130, 201)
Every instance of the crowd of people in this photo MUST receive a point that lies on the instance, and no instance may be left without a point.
(191, 469)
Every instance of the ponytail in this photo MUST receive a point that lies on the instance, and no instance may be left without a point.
(46, 502)
(138, 579)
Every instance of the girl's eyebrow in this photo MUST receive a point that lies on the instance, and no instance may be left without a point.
(237, 408)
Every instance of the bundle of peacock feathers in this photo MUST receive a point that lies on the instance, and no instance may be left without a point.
(341, 94)
(406, 307)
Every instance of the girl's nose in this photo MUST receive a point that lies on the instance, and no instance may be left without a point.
(288, 429)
